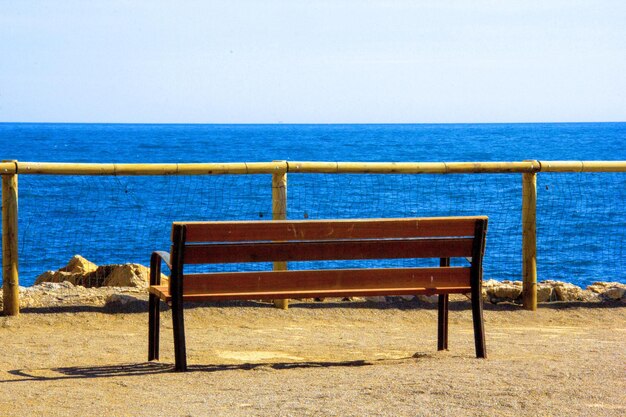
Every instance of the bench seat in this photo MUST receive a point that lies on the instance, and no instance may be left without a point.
(321, 283)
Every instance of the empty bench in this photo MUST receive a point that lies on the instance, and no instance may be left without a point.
(315, 240)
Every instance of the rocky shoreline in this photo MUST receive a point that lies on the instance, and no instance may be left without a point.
(82, 282)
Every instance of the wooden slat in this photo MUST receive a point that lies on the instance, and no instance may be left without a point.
(162, 291)
(322, 283)
(334, 279)
(329, 250)
(318, 294)
(329, 229)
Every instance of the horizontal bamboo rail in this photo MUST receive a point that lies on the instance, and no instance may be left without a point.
(582, 166)
(56, 168)
(59, 168)
(413, 167)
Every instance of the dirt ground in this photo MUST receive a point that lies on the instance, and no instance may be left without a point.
(327, 359)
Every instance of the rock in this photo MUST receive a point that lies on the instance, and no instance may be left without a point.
(599, 287)
(609, 290)
(615, 293)
(79, 265)
(376, 299)
(430, 299)
(355, 299)
(547, 291)
(590, 296)
(544, 292)
(506, 291)
(56, 285)
(128, 275)
(497, 292)
(79, 271)
(124, 302)
(54, 294)
(487, 288)
(489, 283)
(121, 299)
(94, 278)
(564, 291)
(56, 276)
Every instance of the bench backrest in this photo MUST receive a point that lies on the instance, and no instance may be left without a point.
(314, 240)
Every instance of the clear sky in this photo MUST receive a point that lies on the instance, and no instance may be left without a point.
(339, 61)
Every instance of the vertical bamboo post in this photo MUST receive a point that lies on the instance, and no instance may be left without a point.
(529, 240)
(279, 212)
(10, 282)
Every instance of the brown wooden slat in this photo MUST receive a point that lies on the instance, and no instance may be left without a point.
(287, 230)
(335, 279)
(357, 292)
(321, 283)
(330, 250)
(161, 291)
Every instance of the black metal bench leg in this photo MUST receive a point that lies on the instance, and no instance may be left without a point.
(479, 327)
(153, 327)
(478, 250)
(442, 327)
(180, 353)
(442, 317)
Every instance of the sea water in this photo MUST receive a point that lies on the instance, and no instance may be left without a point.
(581, 217)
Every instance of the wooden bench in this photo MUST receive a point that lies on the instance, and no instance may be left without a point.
(314, 240)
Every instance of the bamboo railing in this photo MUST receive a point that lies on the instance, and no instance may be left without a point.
(9, 170)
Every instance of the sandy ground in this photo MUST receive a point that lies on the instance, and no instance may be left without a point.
(317, 359)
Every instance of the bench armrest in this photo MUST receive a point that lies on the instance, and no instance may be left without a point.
(155, 266)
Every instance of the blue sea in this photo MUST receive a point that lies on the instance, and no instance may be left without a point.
(581, 217)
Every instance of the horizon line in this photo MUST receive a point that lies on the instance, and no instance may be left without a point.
(309, 123)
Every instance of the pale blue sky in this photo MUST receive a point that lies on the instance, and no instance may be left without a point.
(312, 61)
